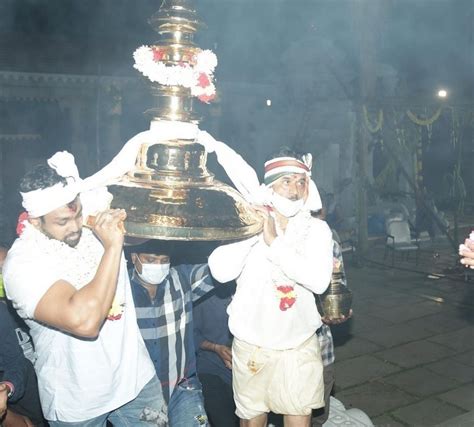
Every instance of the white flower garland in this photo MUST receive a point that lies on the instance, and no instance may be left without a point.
(424, 122)
(78, 264)
(197, 77)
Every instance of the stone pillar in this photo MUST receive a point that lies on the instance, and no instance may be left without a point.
(79, 134)
(109, 116)
(367, 15)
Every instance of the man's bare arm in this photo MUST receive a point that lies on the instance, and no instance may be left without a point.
(82, 311)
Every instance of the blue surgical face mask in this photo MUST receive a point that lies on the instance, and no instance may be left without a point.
(153, 274)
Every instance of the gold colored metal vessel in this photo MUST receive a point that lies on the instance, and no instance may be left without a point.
(336, 302)
(170, 194)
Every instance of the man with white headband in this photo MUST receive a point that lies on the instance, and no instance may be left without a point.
(276, 359)
(71, 286)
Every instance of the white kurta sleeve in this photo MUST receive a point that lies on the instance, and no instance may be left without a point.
(227, 261)
(310, 261)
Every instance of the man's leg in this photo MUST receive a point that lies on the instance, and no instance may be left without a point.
(218, 401)
(260, 421)
(186, 407)
(320, 416)
(147, 409)
(297, 420)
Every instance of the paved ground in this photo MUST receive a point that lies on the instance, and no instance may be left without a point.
(407, 356)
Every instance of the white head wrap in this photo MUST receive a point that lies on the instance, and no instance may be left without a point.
(42, 201)
(281, 166)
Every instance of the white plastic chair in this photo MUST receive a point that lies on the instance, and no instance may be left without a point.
(399, 239)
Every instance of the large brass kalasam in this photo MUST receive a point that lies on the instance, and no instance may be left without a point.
(170, 194)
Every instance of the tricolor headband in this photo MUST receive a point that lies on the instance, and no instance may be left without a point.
(281, 166)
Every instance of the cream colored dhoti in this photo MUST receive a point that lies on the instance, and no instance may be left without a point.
(286, 382)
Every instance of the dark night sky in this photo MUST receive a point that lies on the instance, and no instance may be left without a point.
(428, 43)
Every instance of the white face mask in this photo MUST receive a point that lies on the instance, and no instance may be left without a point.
(153, 274)
(286, 206)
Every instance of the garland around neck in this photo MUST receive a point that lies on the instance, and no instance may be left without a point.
(78, 264)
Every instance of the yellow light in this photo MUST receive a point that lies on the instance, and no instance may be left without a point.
(442, 93)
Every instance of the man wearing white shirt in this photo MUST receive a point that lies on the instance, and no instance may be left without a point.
(273, 316)
(71, 286)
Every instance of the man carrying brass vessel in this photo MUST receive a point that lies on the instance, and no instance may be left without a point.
(276, 359)
(71, 286)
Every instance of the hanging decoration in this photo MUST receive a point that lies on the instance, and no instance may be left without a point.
(424, 122)
(387, 182)
(378, 124)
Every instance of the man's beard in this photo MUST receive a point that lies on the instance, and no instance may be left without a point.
(71, 240)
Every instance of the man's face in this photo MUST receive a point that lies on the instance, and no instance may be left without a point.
(145, 258)
(293, 187)
(63, 224)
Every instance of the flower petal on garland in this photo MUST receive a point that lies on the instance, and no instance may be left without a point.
(158, 54)
(206, 98)
(203, 80)
(20, 226)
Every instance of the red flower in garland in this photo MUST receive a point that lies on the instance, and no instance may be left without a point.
(158, 54)
(21, 223)
(203, 80)
(287, 296)
(206, 98)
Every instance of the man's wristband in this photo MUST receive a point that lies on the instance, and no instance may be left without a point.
(11, 388)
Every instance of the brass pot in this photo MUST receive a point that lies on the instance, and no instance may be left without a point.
(336, 302)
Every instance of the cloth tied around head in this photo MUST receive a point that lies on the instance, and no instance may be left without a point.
(281, 166)
(42, 201)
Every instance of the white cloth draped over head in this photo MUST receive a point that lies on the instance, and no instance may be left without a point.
(94, 194)
(42, 201)
(245, 178)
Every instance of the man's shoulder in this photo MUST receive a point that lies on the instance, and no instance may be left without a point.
(320, 225)
(23, 253)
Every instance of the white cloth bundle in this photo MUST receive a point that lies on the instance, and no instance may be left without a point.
(94, 194)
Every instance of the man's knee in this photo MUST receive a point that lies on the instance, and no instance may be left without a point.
(186, 406)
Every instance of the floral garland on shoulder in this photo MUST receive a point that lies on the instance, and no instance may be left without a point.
(197, 75)
(78, 264)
